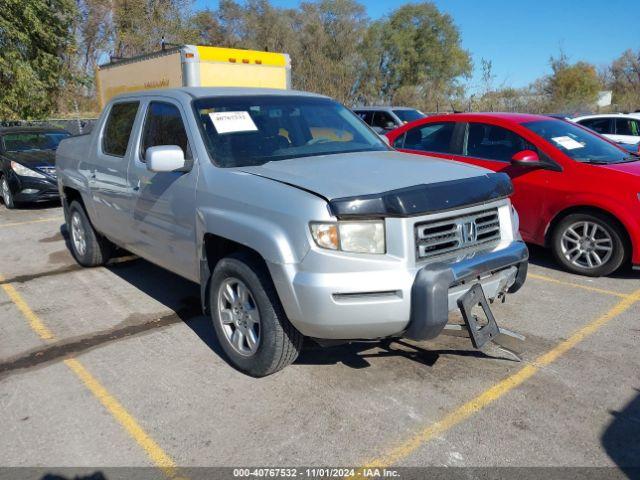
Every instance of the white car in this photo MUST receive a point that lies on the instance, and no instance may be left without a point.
(619, 127)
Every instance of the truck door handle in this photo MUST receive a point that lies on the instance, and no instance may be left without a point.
(137, 187)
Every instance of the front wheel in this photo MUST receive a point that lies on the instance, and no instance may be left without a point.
(88, 247)
(7, 196)
(249, 321)
(589, 244)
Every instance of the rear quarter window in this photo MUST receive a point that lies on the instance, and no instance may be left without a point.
(118, 128)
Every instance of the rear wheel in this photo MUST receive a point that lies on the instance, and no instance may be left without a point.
(7, 196)
(249, 320)
(88, 247)
(589, 244)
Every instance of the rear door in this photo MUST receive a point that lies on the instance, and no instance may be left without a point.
(108, 174)
(163, 204)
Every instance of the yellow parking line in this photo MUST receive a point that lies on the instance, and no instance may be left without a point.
(576, 285)
(161, 459)
(115, 408)
(29, 222)
(34, 321)
(463, 412)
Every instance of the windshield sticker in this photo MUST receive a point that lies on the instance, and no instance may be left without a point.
(567, 143)
(233, 122)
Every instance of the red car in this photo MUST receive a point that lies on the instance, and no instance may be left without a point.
(576, 192)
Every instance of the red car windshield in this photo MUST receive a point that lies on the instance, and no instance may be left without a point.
(578, 143)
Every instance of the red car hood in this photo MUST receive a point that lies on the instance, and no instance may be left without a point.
(632, 168)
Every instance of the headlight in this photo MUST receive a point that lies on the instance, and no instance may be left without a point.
(24, 171)
(358, 237)
(515, 222)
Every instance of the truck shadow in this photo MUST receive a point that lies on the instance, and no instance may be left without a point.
(621, 439)
(174, 292)
(356, 354)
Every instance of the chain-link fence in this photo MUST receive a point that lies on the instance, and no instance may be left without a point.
(77, 126)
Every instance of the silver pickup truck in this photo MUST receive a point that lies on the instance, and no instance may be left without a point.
(293, 216)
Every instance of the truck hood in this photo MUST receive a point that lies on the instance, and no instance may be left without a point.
(363, 173)
(33, 158)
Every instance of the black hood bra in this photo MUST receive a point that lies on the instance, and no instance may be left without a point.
(425, 199)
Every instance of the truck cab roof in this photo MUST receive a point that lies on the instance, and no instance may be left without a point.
(205, 92)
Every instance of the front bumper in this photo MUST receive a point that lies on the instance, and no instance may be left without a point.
(437, 283)
(29, 189)
(392, 301)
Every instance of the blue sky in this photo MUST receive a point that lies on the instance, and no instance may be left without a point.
(519, 36)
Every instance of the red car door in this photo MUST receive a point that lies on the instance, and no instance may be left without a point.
(492, 146)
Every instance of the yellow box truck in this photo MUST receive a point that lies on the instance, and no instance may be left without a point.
(194, 66)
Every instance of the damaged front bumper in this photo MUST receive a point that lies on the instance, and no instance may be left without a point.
(438, 286)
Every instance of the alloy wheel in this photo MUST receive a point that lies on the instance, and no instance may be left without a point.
(587, 244)
(6, 193)
(239, 316)
(78, 235)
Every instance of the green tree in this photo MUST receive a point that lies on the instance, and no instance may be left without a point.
(418, 47)
(572, 87)
(328, 58)
(36, 37)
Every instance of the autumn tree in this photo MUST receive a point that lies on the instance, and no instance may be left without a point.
(572, 86)
(625, 80)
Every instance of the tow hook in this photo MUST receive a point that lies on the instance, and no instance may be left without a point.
(480, 333)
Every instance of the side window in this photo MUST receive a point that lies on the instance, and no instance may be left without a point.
(432, 137)
(118, 128)
(366, 116)
(163, 125)
(600, 125)
(627, 126)
(494, 143)
(382, 119)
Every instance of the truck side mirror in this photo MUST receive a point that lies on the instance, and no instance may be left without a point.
(526, 158)
(164, 158)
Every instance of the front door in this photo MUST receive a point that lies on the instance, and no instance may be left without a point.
(163, 204)
(492, 146)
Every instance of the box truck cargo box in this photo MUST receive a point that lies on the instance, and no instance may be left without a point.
(194, 66)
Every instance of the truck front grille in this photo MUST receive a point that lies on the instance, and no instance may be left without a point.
(448, 235)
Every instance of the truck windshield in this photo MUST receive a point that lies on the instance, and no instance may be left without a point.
(253, 130)
(577, 143)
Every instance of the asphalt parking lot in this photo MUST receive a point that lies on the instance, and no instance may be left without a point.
(116, 366)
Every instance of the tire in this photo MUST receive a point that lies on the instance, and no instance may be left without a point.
(599, 250)
(89, 248)
(7, 196)
(275, 342)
